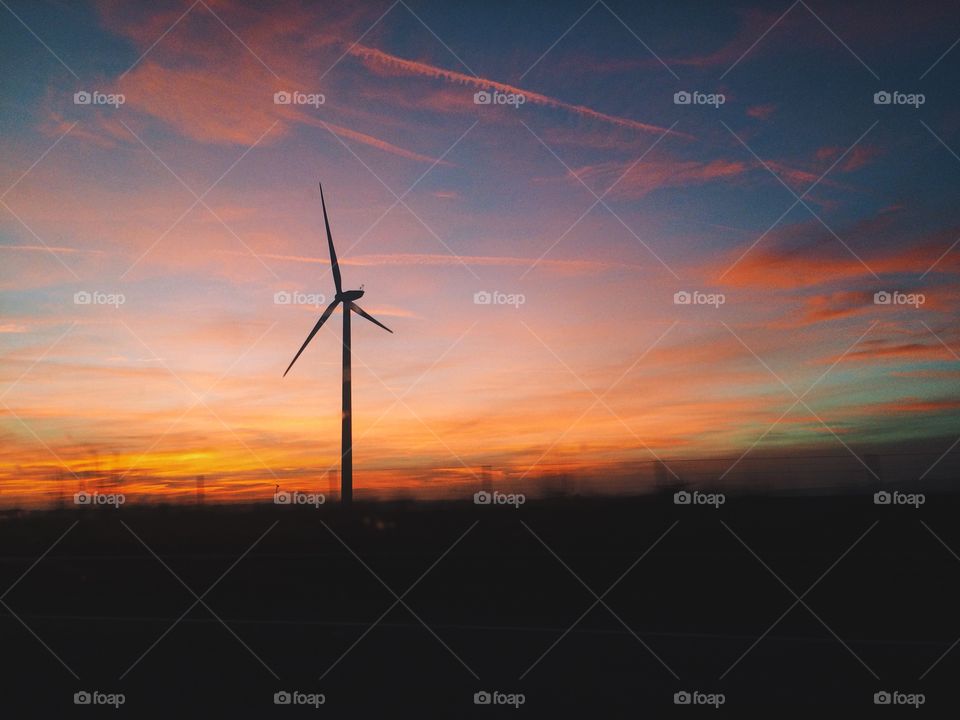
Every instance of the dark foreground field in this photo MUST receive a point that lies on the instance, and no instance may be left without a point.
(306, 600)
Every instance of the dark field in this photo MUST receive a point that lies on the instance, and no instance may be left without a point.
(295, 603)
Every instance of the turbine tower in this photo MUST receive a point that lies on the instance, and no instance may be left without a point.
(349, 306)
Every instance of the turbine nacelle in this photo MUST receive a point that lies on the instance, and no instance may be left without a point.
(348, 295)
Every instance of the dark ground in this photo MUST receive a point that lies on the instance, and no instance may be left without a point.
(299, 599)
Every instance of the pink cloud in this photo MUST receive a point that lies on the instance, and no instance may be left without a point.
(761, 112)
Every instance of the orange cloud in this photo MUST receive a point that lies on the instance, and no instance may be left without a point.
(649, 175)
(773, 267)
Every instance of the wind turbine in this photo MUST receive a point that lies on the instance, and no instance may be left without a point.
(349, 306)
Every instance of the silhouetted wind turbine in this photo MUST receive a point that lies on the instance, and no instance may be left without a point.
(347, 298)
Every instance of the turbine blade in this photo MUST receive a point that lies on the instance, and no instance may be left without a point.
(334, 265)
(323, 318)
(368, 316)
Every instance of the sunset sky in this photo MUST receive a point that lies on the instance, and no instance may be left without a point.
(597, 200)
